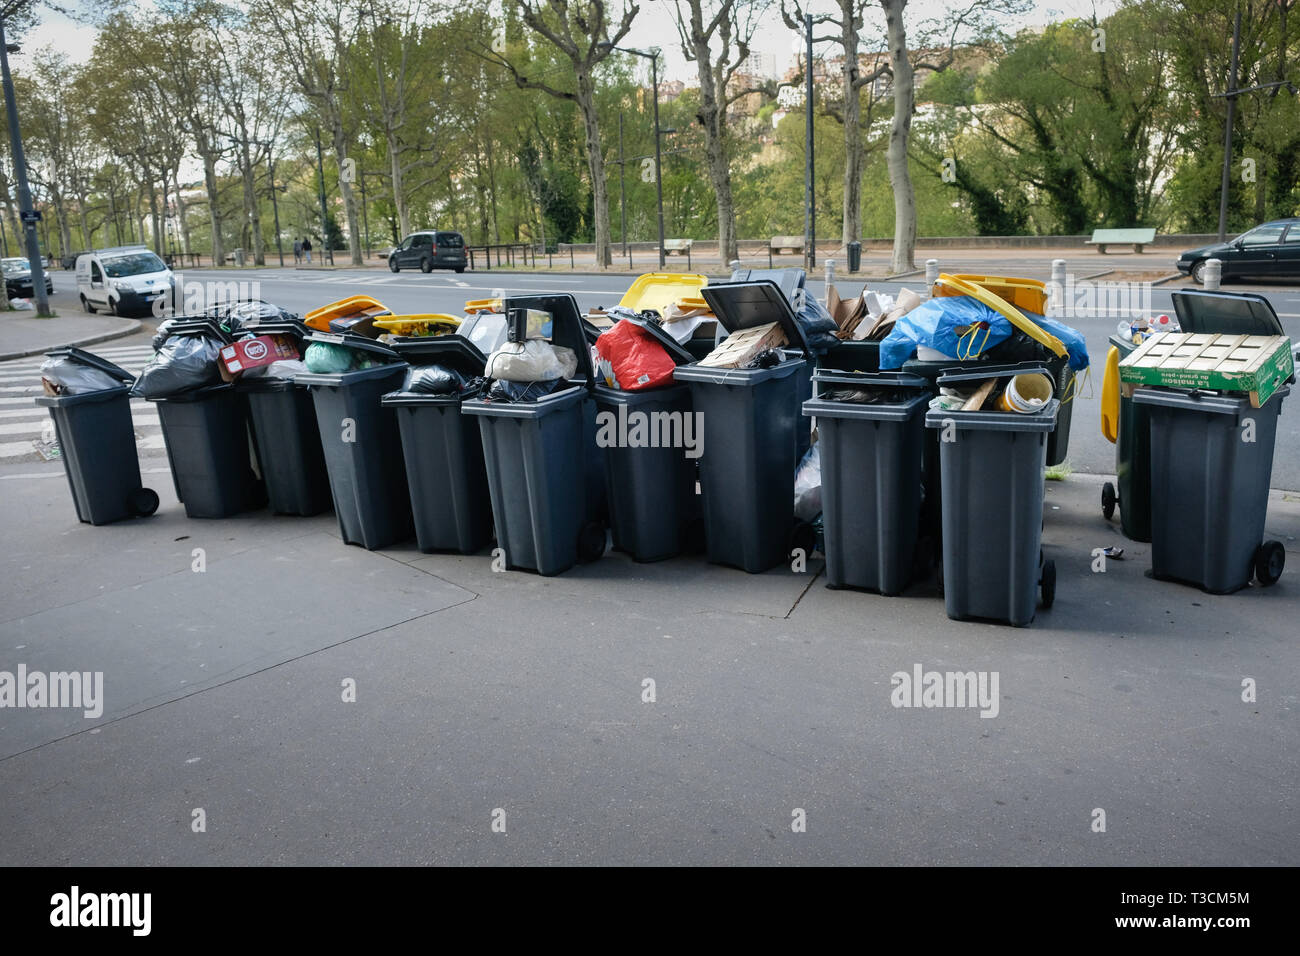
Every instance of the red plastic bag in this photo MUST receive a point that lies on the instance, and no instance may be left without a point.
(629, 358)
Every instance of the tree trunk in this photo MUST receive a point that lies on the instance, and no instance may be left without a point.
(180, 212)
(713, 108)
(83, 222)
(214, 207)
(853, 152)
(65, 231)
(251, 218)
(900, 178)
(399, 189)
(350, 209)
(596, 167)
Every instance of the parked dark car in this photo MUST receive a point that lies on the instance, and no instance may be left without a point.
(18, 279)
(69, 261)
(428, 251)
(1269, 251)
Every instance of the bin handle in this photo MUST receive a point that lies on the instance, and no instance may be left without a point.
(1000, 305)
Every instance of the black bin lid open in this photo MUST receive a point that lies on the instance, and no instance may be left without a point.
(91, 360)
(676, 351)
(747, 305)
(1229, 313)
(450, 351)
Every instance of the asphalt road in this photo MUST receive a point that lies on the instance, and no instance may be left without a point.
(301, 290)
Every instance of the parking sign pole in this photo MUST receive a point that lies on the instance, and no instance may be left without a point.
(27, 213)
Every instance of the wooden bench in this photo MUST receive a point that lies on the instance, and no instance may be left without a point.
(1137, 238)
(782, 245)
(678, 246)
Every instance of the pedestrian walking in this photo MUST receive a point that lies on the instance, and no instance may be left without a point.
(297, 252)
(306, 250)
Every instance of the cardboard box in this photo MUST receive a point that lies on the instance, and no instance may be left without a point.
(254, 353)
(742, 346)
(1257, 364)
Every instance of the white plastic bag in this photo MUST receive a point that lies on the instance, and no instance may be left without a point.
(535, 360)
(808, 485)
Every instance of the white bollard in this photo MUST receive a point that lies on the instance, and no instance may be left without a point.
(931, 275)
(1213, 274)
(735, 265)
(830, 279)
(1056, 289)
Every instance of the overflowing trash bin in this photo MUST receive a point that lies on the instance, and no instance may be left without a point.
(545, 471)
(1128, 423)
(871, 436)
(443, 449)
(205, 423)
(991, 461)
(287, 438)
(1214, 399)
(89, 402)
(751, 418)
(647, 430)
(348, 377)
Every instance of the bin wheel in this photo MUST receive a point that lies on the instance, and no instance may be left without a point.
(1047, 583)
(1108, 499)
(426, 265)
(803, 536)
(1270, 558)
(591, 542)
(392, 264)
(143, 502)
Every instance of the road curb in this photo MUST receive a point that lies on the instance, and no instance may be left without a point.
(133, 328)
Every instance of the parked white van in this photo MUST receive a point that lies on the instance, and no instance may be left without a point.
(121, 280)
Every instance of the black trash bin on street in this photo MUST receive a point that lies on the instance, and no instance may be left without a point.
(97, 440)
(991, 474)
(443, 449)
(751, 420)
(361, 442)
(546, 475)
(871, 476)
(855, 256)
(651, 487)
(285, 432)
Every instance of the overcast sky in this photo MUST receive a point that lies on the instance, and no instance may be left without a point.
(654, 26)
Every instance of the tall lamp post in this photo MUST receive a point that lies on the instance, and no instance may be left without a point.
(653, 56)
(27, 213)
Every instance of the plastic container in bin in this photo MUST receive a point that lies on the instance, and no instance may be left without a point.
(991, 473)
(443, 449)
(285, 432)
(97, 440)
(1231, 313)
(206, 433)
(651, 490)
(871, 479)
(1208, 529)
(545, 472)
(361, 443)
(751, 419)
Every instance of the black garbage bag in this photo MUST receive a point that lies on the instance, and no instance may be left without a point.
(818, 326)
(433, 380)
(183, 363)
(503, 391)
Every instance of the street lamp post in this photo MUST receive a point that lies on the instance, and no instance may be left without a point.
(653, 56)
(28, 214)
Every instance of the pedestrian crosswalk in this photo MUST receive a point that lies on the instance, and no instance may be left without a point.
(26, 429)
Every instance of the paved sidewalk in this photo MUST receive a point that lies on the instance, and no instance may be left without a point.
(481, 693)
(23, 334)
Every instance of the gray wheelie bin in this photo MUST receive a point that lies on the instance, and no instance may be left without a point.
(284, 429)
(991, 473)
(871, 476)
(751, 419)
(545, 472)
(1212, 453)
(97, 439)
(651, 486)
(443, 450)
(362, 446)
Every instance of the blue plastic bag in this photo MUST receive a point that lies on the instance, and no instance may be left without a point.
(958, 325)
(1072, 339)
